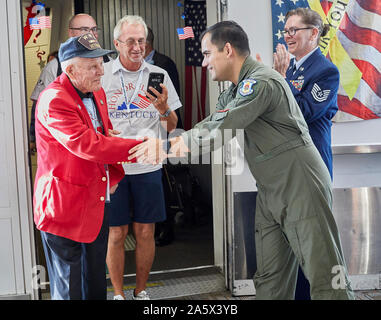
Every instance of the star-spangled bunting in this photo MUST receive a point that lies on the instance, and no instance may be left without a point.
(195, 74)
(196, 18)
(354, 47)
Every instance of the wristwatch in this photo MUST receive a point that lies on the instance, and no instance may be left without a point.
(166, 113)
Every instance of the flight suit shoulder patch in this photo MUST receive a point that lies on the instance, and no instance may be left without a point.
(246, 87)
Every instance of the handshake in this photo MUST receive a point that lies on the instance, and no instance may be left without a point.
(154, 150)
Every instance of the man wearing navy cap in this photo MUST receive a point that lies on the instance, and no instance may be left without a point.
(79, 166)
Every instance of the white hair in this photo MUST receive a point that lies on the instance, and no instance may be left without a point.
(66, 63)
(129, 19)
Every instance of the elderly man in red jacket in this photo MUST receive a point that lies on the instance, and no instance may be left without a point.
(79, 165)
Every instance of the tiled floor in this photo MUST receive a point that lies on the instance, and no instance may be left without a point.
(226, 295)
(202, 284)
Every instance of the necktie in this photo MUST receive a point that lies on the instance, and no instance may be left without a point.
(294, 68)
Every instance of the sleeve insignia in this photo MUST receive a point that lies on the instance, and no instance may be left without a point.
(247, 87)
(318, 94)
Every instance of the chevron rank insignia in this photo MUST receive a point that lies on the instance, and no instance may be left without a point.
(318, 94)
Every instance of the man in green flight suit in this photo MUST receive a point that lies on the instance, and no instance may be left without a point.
(294, 222)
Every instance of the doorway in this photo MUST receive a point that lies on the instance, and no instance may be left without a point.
(192, 247)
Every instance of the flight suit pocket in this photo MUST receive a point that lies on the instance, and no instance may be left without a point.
(295, 243)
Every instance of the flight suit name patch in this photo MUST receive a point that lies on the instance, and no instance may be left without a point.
(247, 87)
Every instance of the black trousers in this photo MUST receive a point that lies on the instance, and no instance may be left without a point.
(77, 271)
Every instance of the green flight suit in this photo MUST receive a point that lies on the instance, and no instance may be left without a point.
(294, 222)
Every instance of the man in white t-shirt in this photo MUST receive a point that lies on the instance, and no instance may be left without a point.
(136, 113)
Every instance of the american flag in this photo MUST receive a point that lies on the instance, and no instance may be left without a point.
(185, 33)
(42, 22)
(143, 102)
(358, 39)
(195, 74)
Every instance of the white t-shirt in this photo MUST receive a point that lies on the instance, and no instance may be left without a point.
(47, 76)
(136, 118)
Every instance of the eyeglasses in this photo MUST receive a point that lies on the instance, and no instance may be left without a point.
(132, 42)
(292, 31)
(87, 29)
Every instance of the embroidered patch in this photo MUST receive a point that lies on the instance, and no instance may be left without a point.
(298, 84)
(318, 94)
(89, 41)
(247, 87)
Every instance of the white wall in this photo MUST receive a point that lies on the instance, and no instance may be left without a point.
(16, 228)
(254, 16)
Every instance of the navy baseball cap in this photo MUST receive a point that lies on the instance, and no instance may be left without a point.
(85, 46)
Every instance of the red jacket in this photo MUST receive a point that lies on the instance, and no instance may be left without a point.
(70, 184)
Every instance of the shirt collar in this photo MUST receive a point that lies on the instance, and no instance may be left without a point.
(149, 57)
(82, 95)
(246, 68)
(117, 65)
(300, 62)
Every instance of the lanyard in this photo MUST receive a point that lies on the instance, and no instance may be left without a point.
(137, 86)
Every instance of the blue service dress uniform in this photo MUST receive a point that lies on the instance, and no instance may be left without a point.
(294, 224)
(314, 85)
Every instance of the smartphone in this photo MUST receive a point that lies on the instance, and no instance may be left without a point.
(154, 80)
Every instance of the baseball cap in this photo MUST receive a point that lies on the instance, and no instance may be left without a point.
(85, 46)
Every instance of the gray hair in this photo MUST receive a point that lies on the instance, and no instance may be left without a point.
(66, 63)
(129, 19)
(311, 18)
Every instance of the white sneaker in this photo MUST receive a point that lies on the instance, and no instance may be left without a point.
(142, 295)
(118, 297)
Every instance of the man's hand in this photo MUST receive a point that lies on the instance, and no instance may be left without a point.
(281, 59)
(160, 102)
(113, 133)
(150, 151)
(178, 148)
(258, 57)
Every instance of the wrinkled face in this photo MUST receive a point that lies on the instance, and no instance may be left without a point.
(214, 60)
(303, 41)
(83, 24)
(86, 74)
(131, 43)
